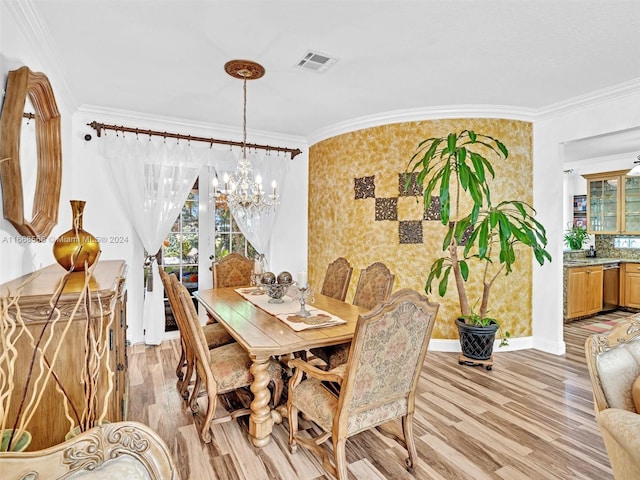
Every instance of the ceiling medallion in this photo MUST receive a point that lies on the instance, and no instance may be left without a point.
(244, 69)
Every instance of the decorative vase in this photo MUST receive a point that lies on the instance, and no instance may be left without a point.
(476, 342)
(76, 246)
(17, 444)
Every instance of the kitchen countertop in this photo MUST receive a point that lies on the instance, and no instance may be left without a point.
(591, 261)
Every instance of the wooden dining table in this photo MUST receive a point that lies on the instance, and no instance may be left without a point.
(264, 336)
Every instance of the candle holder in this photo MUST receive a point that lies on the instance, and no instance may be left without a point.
(301, 294)
(256, 281)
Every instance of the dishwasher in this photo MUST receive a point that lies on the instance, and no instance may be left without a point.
(610, 287)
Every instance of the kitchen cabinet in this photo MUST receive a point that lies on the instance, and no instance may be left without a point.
(584, 291)
(613, 203)
(630, 279)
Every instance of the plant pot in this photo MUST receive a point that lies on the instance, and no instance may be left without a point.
(18, 444)
(476, 342)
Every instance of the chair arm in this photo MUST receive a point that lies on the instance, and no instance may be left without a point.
(621, 434)
(334, 375)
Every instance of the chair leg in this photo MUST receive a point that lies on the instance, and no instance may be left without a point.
(193, 400)
(292, 415)
(184, 386)
(278, 388)
(181, 363)
(407, 429)
(205, 434)
(340, 459)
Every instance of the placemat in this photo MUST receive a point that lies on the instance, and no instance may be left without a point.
(286, 311)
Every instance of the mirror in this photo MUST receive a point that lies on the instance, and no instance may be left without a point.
(30, 90)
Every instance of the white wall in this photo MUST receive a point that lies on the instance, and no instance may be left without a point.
(17, 49)
(618, 112)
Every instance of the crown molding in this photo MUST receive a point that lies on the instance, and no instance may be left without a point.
(30, 22)
(420, 114)
(596, 97)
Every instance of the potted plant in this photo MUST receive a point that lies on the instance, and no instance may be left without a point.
(575, 236)
(481, 234)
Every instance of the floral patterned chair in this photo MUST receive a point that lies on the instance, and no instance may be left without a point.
(336, 280)
(233, 270)
(374, 286)
(221, 370)
(215, 334)
(121, 450)
(377, 384)
(613, 360)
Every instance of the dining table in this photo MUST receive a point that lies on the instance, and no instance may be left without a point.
(264, 335)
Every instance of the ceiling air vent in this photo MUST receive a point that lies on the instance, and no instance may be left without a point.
(316, 61)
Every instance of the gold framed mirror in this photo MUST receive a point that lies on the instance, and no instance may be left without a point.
(24, 87)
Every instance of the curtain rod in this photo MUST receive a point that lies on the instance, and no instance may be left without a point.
(98, 127)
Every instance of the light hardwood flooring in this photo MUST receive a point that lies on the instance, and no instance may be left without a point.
(531, 417)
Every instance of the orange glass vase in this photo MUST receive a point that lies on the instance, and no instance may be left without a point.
(76, 247)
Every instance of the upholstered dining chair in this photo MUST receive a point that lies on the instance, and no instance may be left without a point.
(120, 450)
(232, 270)
(374, 286)
(214, 333)
(377, 384)
(219, 370)
(613, 360)
(336, 279)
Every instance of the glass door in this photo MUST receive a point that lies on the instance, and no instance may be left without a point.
(603, 205)
(632, 205)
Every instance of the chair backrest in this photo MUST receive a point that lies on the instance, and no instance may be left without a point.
(386, 356)
(195, 335)
(374, 285)
(336, 280)
(128, 450)
(174, 303)
(232, 270)
(613, 360)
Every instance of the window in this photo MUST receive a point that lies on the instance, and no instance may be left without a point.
(228, 237)
(180, 251)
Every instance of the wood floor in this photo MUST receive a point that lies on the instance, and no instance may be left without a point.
(531, 417)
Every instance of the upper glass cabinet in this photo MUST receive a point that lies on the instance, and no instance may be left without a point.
(613, 203)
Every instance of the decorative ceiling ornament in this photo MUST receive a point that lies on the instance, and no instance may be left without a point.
(244, 192)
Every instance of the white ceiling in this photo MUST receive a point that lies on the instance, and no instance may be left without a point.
(166, 58)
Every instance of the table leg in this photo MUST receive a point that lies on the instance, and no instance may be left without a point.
(260, 420)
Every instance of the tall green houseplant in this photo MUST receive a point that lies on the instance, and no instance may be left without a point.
(456, 169)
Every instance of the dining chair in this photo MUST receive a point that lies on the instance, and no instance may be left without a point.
(232, 270)
(336, 279)
(219, 370)
(377, 383)
(215, 335)
(123, 450)
(374, 286)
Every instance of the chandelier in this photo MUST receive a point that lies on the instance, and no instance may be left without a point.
(244, 192)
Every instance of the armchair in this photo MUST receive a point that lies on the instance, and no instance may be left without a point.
(378, 382)
(613, 360)
(119, 450)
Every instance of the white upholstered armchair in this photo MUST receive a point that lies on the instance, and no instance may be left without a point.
(613, 360)
(117, 451)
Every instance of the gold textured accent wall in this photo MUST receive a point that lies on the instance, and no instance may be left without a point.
(341, 225)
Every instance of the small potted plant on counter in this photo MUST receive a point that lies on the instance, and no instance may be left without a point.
(575, 237)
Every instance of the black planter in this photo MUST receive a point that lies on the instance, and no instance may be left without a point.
(476, 342)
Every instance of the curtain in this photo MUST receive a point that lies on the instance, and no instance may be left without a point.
(271, 167)
(153, 177)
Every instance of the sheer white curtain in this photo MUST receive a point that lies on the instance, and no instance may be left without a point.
(153, 178)
(271, 167)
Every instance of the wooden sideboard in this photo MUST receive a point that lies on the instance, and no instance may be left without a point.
(108, 307)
